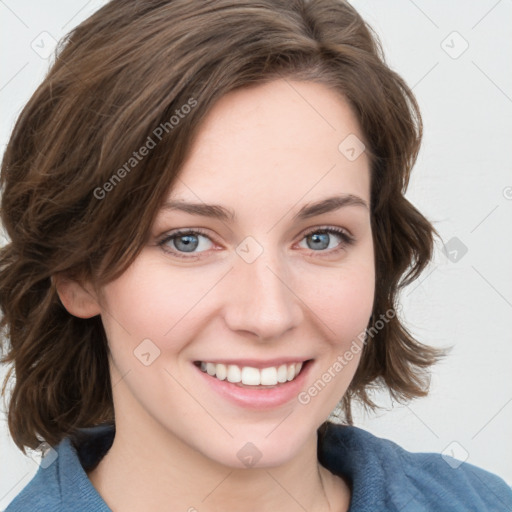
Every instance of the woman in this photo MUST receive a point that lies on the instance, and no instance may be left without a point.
(208, 234)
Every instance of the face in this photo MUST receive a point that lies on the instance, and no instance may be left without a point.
(272, 285)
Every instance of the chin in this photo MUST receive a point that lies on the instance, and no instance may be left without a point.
(261, 450)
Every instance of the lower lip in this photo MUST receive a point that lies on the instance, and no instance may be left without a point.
(258, 397)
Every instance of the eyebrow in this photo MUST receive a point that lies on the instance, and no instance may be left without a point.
(307, 211)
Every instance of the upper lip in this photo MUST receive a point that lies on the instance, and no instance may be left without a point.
(256, 363)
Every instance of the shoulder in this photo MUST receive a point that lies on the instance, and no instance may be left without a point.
(61, 483)
(41, 493)
(386, 475)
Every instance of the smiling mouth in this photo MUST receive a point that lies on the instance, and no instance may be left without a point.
(248, 376)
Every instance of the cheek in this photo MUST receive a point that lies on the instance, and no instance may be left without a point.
(342, 299)
(150, 301)
(348, 305)
(149, 316)
(343, 305)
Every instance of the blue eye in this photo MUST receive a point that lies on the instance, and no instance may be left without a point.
(181, 242)
(322, 238)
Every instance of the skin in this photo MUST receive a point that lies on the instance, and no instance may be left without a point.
(263, 152)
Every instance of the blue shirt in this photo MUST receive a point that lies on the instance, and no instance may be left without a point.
(383, 476)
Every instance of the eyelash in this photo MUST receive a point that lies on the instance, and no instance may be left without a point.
(346, 240)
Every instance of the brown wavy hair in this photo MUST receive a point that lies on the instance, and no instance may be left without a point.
(118, 76)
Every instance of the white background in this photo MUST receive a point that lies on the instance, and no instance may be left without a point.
(462, 183)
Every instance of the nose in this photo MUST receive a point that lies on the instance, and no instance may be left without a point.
(261, 299)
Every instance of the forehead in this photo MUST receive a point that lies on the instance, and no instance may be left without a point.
(275, 143)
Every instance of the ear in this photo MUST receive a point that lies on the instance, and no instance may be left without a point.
(79, 299)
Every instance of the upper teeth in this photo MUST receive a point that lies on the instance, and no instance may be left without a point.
(252, 376)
